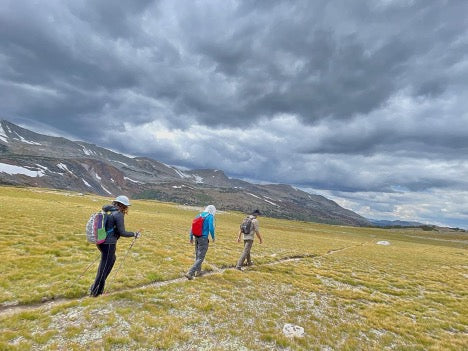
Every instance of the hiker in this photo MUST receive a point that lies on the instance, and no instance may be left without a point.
(116, 228)
(252, 229)
(202, 242)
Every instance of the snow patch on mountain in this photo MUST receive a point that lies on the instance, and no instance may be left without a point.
(270, 202)
(107, 191)
(23, 140)
(63, 167)
(11, 170)
(87, 152)
(123, 163)
(180, 173)
(45, 169)
(198, 179)
(133, 181)
(3, 136)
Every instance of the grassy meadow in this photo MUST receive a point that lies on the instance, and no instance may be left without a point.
(347, 292)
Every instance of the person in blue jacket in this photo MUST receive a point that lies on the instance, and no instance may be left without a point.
(202, 242)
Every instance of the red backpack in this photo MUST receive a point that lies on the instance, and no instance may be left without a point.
(197, 225)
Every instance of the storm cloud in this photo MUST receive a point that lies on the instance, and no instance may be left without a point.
(364, 102)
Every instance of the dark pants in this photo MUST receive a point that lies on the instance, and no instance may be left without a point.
(201, 247)
(245, 254)
(105, 266)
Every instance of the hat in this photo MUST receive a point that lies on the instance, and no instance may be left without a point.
(210, 209)
(256, 213)
(123, 200)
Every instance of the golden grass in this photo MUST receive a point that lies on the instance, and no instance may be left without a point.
(346, 292)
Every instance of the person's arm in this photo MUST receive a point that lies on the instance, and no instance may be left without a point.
(191, 237)
(120, 226)
(239, 236)
(259, 236)
(211, 224)
(257, 230)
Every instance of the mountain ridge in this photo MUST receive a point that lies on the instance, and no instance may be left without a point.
(57, 162)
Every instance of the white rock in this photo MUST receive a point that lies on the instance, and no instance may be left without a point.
(386, 243)
(291, 330)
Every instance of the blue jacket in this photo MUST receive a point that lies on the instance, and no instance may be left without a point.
(208, 226)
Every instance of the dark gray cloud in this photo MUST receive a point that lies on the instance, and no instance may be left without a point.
(343, 97)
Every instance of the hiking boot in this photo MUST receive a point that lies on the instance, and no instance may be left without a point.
(249, 264)
(240, 269)
(200, 274)
(189, 276)
(91, 293)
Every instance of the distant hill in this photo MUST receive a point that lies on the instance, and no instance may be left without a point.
(397, 223)
(405, 224)
(31, 159)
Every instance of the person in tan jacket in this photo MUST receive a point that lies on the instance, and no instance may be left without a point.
(249, 235)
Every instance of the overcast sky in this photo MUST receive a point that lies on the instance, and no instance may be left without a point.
(364, 102)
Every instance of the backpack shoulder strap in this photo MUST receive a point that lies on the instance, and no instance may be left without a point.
(108, 214)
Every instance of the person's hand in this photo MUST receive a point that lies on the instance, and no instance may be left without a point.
(191, 241)
(238, 240)
(261, 241)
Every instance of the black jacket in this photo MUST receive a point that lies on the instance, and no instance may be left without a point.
(116, 221)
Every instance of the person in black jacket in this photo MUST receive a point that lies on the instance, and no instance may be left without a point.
(115, 228)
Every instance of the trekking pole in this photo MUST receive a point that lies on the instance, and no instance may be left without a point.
(89, 266)
(126, 254)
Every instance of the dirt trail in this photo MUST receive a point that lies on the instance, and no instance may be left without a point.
(7, 310)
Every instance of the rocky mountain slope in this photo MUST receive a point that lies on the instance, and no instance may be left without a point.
(31, 159)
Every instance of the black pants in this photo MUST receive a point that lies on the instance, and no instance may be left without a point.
(105, 266)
